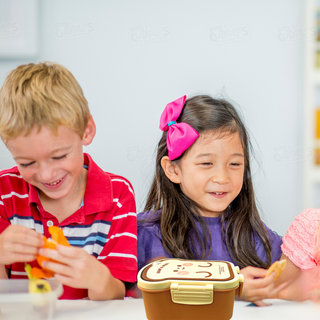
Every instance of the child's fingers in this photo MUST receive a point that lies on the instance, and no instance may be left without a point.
(67, 281)
(25, 231)
(19, 244)
(259, 288)
(18, 248)
(28, 240)
(253, 272)
(260, 303)
(277, 289)
(23, 235)
(55, 255)
(59, 268)
(63, 254)
(71, 252)
(261, 282)
(16, 257)
(25, 257)
(267, 292)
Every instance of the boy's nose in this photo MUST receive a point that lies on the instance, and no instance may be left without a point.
(46, 174)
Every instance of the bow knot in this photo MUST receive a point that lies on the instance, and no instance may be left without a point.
(180, 135)
(171, 123)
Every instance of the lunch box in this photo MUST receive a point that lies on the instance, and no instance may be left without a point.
(175, 289)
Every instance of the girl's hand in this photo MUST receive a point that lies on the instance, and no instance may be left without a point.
(256, 287)
(19, 244)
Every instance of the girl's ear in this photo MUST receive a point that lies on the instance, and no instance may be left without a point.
(170, 169)
(89, 132)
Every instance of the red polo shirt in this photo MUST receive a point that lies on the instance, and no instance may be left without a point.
(104, 226)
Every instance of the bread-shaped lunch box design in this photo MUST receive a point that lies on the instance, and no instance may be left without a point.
(189, 289)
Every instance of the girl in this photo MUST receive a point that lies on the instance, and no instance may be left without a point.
(300, 248)
(201, 203)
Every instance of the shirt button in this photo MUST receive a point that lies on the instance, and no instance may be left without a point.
(49, 223)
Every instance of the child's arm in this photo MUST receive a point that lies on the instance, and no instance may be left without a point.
(299, 250)
(3, 272)
(257, 287)
(290, 273)
(301, 283)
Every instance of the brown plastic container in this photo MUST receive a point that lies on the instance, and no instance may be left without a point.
(176, 289)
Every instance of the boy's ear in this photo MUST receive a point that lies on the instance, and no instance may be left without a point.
(170, 169)
(89, 132)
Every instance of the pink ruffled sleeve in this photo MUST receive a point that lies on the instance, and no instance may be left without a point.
(300, 242)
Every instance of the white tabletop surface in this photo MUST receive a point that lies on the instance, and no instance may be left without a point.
(133, 309)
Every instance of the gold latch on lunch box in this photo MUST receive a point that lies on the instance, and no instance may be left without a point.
(188, 294)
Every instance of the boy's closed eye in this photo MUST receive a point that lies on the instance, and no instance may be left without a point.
(61, 157)
(26, 164)
(30, 163)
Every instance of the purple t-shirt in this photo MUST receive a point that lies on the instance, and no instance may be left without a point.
(150, 244)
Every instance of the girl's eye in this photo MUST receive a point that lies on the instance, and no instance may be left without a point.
(58, 158)
(235, 164)
(26, 164)
(207, 163)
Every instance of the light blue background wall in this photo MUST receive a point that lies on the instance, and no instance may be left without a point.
(133, 57)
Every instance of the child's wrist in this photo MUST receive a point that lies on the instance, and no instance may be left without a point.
(101, 281)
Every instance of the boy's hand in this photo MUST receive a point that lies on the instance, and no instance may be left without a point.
(256, 287)
(19, 244)
(78, 269)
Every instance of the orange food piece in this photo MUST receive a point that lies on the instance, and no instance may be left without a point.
(41, 273)
(57, 237)
(277, 267)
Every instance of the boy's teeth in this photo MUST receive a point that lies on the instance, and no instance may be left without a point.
(53, 184)
(218, 192)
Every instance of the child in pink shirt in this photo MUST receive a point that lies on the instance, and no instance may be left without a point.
(301, 243)
(301, 250)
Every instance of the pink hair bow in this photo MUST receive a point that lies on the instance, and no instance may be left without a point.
(180, 135)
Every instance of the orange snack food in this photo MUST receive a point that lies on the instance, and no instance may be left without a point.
(57, 237)
(277, 267)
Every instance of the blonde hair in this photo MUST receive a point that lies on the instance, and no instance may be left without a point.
(44, 94)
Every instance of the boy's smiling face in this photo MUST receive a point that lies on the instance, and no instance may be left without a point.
(52, 163)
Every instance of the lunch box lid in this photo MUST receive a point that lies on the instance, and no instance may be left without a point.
(165, 273)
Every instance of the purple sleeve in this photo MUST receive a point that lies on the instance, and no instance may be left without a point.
(149, 245)
(275, 241)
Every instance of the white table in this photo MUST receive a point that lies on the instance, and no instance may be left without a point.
(133, 309)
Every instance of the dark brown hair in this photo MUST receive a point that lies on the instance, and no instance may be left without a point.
(241, 221)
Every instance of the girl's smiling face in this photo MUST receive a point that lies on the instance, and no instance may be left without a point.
(211, 171)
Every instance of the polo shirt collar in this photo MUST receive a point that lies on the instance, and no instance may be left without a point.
(98, 196)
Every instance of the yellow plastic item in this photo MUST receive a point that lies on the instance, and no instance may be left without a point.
(39, 286)
(36, 285)
(317, 123)
(193, 295)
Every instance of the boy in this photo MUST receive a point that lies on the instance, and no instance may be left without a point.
(44, 122)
